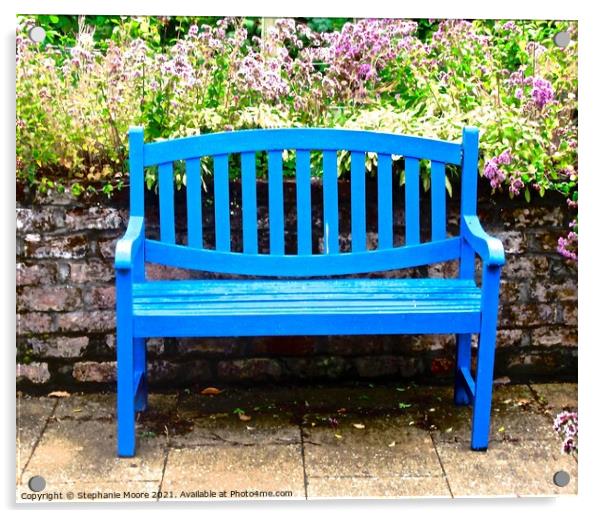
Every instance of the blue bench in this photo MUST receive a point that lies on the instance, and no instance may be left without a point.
(253, 307)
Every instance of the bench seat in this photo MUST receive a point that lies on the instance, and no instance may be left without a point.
(309, 307)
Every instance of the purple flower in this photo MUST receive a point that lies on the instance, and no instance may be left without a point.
(566, 425)
(505, 158)
(493, 173)
(193, 31)
(567, 246)
(365, 71)
(542, 92)
(516, 185)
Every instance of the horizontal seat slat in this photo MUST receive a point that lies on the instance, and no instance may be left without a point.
(301, 138)
(277, 324)
(303, 298)
(231, 286)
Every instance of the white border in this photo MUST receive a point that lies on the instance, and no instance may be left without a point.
(590, 91)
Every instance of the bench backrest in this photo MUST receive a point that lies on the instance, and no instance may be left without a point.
(303, 141)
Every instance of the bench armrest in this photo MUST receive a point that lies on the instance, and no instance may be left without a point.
(489, 248)
(127, 247)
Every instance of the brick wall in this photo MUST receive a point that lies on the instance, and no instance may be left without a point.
(66, 320)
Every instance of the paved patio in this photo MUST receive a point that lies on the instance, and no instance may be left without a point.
(355, 440)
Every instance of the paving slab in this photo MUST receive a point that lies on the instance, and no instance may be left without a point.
(32, 415)
(86, 406)
(229, 429)
(557, 396)
(507, 469)
(515, 415)
(76, 451)
(384, 447)
(191, 473)
(376, 487)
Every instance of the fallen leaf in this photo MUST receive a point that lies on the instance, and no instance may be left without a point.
(504, 380)
(250, 428)
(313, 424)
(507, 401)
(75, 410)
(391, 444)
(244, 417)
(338, 436)
(449, 430)
(59, 393)
(341, 410)
(359, 426)
(210, 391)
(411, 423)
(432, 409)
(501, 429)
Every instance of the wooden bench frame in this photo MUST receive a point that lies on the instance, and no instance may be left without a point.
(250, 307)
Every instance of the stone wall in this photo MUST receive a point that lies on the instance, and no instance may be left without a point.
(66, 320)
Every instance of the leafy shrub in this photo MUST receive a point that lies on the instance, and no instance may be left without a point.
(75, 102)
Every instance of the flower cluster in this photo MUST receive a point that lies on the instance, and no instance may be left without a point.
(566, 425)
(542, 92)
(567, 246)
(495, 174)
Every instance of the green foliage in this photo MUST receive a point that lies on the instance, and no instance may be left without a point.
(78, 92)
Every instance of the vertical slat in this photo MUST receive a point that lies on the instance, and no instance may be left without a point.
(166, 209)
(136, 141)
(358, 201)
(331, 203)
(194, 202)
(303, 179)
(385, 201)
(276, 203)
(438, 201)
(412, 201)
(222, 203)
(249, 203)
(468, 197)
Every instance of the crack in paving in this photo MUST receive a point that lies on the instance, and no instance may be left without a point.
(305, 478)
(167, 449)
(35, 445)
(442, 466)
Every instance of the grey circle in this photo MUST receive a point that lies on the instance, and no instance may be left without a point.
(37, 34)
(37, 484)
(562, 39)
(561, 478)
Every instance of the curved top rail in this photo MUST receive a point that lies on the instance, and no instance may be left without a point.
(319, 139)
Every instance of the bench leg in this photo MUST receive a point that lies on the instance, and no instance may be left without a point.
(126, 414)
(461, 395)
(481, 412)
(141, 398)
